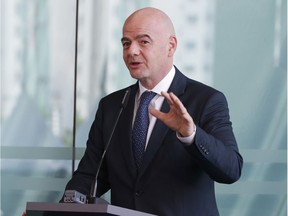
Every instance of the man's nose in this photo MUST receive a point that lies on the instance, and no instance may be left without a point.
(134, 49)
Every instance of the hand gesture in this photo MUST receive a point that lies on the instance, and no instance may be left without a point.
(178, 119)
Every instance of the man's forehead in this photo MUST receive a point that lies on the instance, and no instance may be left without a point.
(134, 35)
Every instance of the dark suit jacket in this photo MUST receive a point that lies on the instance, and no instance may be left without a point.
(175, 179)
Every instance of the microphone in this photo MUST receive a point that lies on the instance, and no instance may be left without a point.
(92, 198)
(75, 196)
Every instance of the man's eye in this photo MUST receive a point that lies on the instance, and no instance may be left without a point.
(144, 42)
(125, 44)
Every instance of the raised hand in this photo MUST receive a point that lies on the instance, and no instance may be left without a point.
(178, 119)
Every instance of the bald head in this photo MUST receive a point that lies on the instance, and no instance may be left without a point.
(152, 18)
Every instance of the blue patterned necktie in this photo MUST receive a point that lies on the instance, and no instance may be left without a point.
(140, 128)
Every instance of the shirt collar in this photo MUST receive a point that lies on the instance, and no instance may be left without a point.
(163, 85)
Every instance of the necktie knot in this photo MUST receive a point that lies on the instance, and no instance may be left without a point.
(146, 97)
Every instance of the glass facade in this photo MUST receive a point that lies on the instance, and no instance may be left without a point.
(239, 48)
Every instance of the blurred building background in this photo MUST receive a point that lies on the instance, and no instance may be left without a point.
(239, 48)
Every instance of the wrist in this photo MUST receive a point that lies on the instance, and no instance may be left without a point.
(187, 134)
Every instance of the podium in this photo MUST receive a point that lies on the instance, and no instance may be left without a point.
(73, 209)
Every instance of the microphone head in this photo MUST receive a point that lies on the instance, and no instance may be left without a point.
(126, 98)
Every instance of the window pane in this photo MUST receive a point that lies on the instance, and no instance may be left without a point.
(37, 71)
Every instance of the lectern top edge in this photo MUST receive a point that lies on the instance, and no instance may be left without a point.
(52, 209)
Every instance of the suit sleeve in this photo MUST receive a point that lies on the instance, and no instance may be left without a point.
(215, 147)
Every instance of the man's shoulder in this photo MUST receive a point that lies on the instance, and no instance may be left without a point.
(200, 86)
(195, 85)
(116, 96)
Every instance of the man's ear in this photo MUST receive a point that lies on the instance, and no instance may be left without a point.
(172, 45)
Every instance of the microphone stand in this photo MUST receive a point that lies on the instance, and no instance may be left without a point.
(92, 197)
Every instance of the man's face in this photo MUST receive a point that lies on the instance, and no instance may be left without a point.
(146, 50)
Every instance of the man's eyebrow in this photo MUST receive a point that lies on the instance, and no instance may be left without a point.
(137, 37)
(143, 36)
(124, 39)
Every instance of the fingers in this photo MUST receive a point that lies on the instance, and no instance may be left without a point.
(167, 96)
(173, 100)
(177, 118)
(158, 114)
(170, 97)
(176, 107)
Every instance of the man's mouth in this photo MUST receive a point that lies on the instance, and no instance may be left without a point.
(135, 63)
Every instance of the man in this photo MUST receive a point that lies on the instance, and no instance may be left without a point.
(190, 143)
